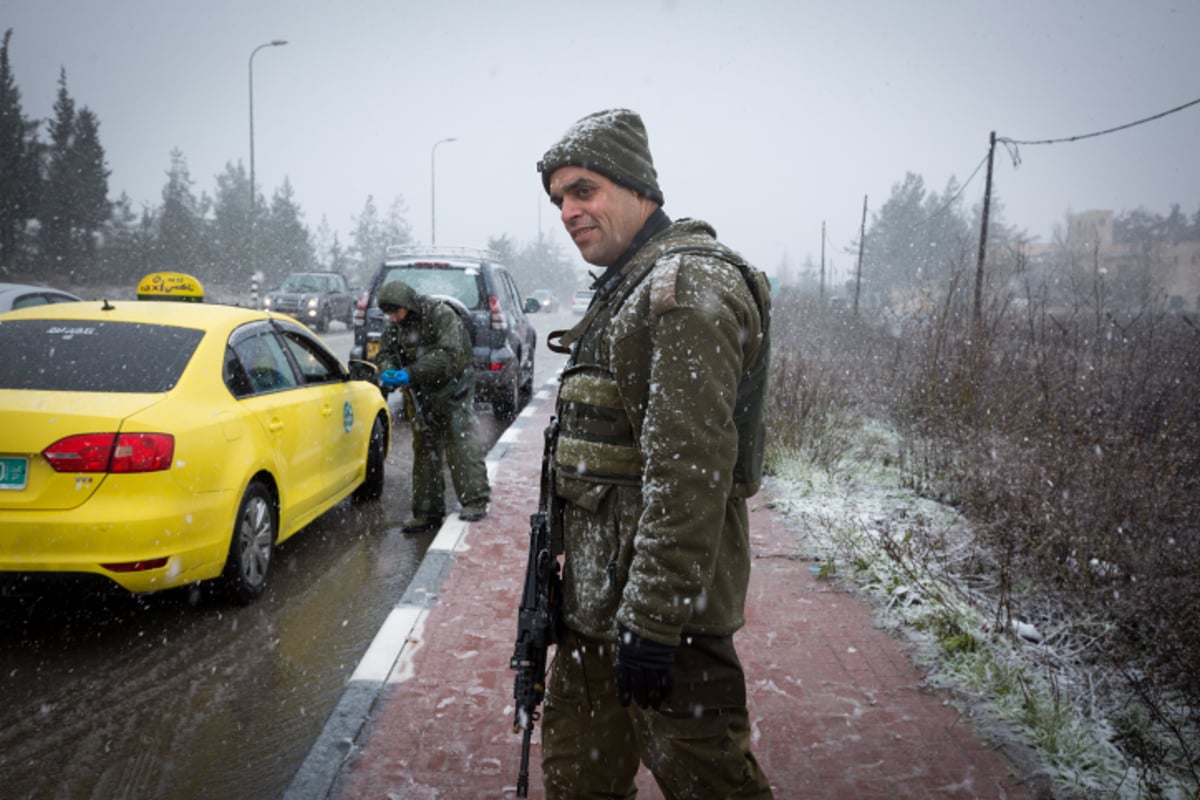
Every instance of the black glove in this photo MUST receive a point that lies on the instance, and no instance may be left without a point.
(645, 669)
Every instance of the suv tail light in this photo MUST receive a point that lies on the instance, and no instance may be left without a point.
(498, 323)
(112, 452)
(360, 309)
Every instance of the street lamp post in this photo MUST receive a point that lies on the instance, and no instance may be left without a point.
(253, 250)
(433, 189)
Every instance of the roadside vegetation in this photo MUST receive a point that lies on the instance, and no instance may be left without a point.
(1019, 492)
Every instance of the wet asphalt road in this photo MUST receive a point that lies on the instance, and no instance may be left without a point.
(181, 695)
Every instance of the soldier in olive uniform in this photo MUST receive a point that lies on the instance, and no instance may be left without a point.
(659, 442)
(427, 349)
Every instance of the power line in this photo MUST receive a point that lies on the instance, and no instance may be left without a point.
(1011, 145)
(946, 205)
(1007, 140)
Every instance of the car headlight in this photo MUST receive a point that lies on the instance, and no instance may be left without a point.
(266, 302)
(313, 302)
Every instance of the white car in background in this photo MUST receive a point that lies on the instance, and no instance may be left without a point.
(23, 295)
(581, 300)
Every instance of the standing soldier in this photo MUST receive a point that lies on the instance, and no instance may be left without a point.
(659, 443)
(427, 348)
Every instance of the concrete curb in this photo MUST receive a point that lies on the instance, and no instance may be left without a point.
(392, 648)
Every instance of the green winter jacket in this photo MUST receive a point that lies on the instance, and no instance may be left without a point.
(432, 344)
(660, 441)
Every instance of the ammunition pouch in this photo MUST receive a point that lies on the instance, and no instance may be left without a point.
(595, 439)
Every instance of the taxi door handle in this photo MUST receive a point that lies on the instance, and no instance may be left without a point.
(326, 410)
(275, 425)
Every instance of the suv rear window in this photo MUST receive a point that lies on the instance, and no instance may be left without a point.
(89, 356)
(461, 284)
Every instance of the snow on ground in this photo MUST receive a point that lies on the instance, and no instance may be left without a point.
(917, 563)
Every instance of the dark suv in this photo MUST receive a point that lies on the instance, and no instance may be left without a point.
(314, 298)
(488, 300)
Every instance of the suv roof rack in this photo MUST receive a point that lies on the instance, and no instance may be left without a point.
(395, 252)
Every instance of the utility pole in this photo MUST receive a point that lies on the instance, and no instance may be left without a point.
(822, 290)
(977, 312)
(862, 245)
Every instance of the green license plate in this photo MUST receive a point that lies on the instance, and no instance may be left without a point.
(14, 472)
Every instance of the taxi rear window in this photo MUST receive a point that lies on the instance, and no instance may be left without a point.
(91, 356)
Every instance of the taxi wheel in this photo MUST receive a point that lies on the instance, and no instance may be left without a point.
(372, 486)
(253, 542)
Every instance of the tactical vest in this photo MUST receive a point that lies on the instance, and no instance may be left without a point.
(596, 442)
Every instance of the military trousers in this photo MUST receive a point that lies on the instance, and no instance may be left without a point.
(446, 436)
(697, 746)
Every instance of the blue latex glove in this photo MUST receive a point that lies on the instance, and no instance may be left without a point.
(392, 378)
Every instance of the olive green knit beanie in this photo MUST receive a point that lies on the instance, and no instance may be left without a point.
(613, 143)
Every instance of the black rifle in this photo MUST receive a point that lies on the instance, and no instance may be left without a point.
(413, 410)
(540, 612)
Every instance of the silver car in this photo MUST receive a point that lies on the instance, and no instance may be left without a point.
(23, 295)
(581, 300)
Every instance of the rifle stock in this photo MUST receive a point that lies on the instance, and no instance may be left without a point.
(538, 616)
(414, 412)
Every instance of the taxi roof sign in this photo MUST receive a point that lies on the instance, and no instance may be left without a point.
(170, 286)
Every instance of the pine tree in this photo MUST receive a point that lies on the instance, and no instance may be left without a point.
(1175, 225)
(331, 255)
(396, 229)
(284, 246)
(55, 211)
(370, 242)
(339, 261)
(179, 244)
(19, 175)
(372, 236)
(897, 237)
(231, 225)
(504, 248)
(125, 257)
(322, 239)
(90, 208)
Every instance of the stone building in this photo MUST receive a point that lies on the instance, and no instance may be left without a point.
(1158, 271)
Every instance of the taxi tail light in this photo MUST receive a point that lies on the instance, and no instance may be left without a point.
(498, 323)
(112, 452)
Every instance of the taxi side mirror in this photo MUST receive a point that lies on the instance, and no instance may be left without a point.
(361, 370)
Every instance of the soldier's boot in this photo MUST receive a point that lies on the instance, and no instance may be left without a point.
(418, 524)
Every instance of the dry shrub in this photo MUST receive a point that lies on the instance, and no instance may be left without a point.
(1070, 439)
(1073, 443)
(818, 391)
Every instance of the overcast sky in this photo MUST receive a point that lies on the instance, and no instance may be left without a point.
(765, 118)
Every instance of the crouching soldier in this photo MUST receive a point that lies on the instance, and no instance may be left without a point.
(426, 350)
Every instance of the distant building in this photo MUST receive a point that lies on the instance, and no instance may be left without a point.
(1169, 270)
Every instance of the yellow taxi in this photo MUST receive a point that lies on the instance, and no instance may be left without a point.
(160, 444)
